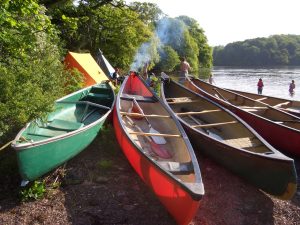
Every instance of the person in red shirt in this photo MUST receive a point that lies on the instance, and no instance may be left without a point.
(260, 86)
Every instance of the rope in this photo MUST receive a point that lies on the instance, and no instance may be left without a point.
(4, 146)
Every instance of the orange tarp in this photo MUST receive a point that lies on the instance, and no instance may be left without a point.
(86, 64)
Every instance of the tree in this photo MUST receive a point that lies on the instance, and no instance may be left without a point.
(108, 25)
(148, 12)
(169, 59)
(32, 76)
(276, 50)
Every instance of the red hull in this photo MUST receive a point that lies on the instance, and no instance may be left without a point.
(280, 137)
(181, 199)
(177, 201)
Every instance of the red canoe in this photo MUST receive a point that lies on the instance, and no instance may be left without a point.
(280, 129)
(158, 149)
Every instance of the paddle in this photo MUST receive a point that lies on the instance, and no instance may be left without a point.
(157, 149)
(134, 109)
(156, 139)
(215, 89)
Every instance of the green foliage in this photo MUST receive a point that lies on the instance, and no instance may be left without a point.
(32, 75)
(186, 38)
(36, 191)
(74, 80)
(169, 59)
(272, 51)
(115, 29)
(148, 12)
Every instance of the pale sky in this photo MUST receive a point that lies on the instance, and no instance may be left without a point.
(226, 21)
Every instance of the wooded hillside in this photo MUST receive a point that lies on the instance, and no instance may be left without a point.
(276, 50)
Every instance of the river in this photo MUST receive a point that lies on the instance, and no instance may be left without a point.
(276, 80)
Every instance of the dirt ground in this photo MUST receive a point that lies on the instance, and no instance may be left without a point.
(100, 187)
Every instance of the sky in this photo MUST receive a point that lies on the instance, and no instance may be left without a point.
(227, 21)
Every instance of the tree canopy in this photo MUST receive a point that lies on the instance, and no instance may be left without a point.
(276, 50)
(36, 34)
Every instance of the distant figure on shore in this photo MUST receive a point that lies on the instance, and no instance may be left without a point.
(115, 76)
(184, 69)
(211, 79)
(292, 87)
(260, 86)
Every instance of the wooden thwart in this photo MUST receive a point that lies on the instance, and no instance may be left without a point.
(180, 100)
(156, 134)
(141, 115)
(196, 113)
(280, 104)
(254, 107)
(214, 124)
(261, 99)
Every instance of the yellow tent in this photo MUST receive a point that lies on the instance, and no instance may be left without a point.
(86, 64)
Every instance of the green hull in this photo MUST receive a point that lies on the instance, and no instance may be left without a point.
(36, 161)
(44, 145)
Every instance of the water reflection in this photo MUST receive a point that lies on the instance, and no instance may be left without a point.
(276, 80)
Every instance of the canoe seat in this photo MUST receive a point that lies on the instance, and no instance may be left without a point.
(139, 98)
(44, 132)
(177, 168)
(65, 125)
(243, 142)
(96, 95)
(100, 90)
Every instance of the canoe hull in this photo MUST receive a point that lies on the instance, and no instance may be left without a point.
(275, 176)
(179, 191)
(270, 131)
(266, 169)
(176, 200)
(69, 129)
(35, 161)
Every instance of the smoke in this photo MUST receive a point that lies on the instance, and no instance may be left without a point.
(142, 57)
(169, 32)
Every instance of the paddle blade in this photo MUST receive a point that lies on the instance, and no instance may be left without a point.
(160, 151)
(157, 139)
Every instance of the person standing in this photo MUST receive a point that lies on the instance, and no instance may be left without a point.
(155, 84)
(115, 76)
(260, 86)
(184, 69)
(292, 87)
(211, 79)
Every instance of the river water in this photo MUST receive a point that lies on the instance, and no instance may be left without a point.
(276, 80)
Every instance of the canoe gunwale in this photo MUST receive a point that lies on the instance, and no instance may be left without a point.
(290, 147)
(275, 151)
(26, 145)
(284, 190)
(198, 184)
(245, 111)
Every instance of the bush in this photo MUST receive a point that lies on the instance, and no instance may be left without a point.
(32, 76)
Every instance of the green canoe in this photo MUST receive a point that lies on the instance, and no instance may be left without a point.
(44, 144)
